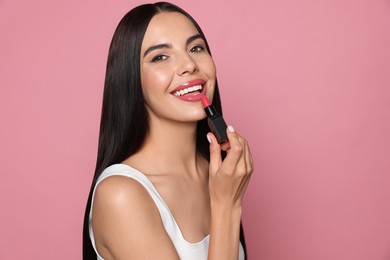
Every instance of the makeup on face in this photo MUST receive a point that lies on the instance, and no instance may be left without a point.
(191, 91)
(215, 120)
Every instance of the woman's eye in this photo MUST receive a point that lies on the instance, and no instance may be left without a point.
(159, 58)
(197, 48)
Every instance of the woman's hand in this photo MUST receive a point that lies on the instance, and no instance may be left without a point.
(229, 178)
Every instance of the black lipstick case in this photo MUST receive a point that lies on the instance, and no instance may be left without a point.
(217, 124)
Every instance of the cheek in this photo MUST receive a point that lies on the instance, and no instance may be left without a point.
(209, 68)
(211, 74)
(154, 79)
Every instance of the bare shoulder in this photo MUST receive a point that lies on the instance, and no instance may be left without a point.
(126, 221)
(119, 202)
(121, 192)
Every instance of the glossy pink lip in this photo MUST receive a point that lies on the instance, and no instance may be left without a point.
(193, 97)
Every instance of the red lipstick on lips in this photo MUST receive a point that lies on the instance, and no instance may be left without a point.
(191, 97)
(215, 120)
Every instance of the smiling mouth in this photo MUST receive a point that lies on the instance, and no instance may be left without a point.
(188, 90)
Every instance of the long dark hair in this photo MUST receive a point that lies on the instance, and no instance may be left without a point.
(124, 120)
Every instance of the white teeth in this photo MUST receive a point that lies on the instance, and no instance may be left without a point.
(188, 90)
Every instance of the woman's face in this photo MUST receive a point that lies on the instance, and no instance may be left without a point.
(176, 69)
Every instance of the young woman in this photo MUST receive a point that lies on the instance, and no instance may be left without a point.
(162, 189)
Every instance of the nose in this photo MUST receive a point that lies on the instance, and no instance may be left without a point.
(186, 65)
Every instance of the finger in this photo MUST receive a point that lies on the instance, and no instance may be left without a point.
(215, 153)
(249, 159)
(242, 164)
(236, 148)
(225, 146)
(249, 162)
(243, 169)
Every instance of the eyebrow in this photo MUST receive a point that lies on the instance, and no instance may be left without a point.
(169, 46)
(193, 38)
(157, 47)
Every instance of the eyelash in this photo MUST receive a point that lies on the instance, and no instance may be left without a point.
(195, 49)
(159, 58)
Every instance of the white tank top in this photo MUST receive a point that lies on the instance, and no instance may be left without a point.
(185, 249)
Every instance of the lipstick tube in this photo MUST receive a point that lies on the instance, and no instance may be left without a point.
(215, 121)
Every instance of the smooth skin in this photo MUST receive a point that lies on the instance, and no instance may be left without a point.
(204, 198)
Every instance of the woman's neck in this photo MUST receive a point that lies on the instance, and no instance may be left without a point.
(169, 147)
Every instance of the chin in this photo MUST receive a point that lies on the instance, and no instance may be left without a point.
(194, 118)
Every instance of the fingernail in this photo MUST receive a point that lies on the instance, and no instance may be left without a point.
(208, 138)
(231, 129)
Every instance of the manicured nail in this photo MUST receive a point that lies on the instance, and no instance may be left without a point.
(231, 129)
(208, 138)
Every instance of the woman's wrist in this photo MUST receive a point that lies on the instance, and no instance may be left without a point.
(230, 214)
(224, 232)
(226, 208)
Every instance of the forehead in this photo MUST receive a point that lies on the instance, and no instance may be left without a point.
(168, 27)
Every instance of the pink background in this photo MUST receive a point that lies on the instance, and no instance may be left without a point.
(307, 82)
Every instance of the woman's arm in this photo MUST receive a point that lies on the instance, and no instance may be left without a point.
(137, 232)
(228, 180)
(128, 232)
